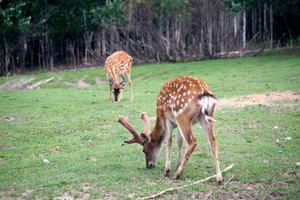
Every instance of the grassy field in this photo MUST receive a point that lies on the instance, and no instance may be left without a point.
(76, 130)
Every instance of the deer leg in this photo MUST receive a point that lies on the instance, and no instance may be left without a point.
(130, 84)
(185, 129)
(210, 135)
(110, 95)
(168, 130)
(123, 78)
(121, 94)
(180, 144)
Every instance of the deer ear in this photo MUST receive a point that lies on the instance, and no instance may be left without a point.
(145, 137)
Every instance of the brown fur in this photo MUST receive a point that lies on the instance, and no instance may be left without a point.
(178, 105)
(116, 65)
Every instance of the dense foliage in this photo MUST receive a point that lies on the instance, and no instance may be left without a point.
(45, 34)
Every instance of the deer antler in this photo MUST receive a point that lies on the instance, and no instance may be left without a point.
(147, 123)
(136, 137)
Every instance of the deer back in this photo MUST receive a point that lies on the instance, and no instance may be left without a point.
(183, 92)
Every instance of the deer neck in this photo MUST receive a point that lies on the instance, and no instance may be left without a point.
(157, 135)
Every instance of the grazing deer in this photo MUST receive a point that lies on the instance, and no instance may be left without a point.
(115, 66)
(181, 102)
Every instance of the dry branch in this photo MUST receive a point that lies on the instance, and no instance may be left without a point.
(184, 186)
(229, 180)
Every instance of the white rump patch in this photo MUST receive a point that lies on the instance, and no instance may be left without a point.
(207, 103)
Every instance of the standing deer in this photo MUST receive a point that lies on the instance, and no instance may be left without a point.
(115, 66)
(181, 102)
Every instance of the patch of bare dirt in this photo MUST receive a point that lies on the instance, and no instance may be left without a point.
(141, 77)
(93, 159)
(2, 161)
(256, 99)
(85, 193)
(80, 83)
(99, 81)
(55, 150)
(9, 147)
(234, 190)
(237, 191)
(9, 119)
(60, 78)
(8, 195)
(27, 193)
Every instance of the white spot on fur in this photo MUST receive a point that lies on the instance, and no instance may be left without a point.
(178, 113)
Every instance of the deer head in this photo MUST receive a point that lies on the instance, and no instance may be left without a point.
(116, 88)
(142, 139)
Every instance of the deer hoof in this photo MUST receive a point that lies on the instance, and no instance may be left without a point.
(219, 180)
(176, 176)
(167, 172)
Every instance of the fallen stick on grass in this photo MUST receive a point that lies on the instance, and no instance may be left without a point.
(229, 180)
(40, 83)
(184, 186)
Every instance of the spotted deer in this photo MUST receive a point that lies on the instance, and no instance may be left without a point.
(181, 102)
(115, 66)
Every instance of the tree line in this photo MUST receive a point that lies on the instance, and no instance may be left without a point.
(48, 35)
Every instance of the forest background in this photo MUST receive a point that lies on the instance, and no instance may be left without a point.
(49, 35)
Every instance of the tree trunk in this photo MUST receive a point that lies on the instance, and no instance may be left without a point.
(51, 56)
(271, 26)
(31, 53)
(8, 52)
(210, 35)
(259, 23)
(244, 25)
(235, 26)
(42, 52)
(253, 26)
(23, 52)
(103, 42)
(265, 23)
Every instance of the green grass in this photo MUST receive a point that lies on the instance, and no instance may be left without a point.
(76, 129)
